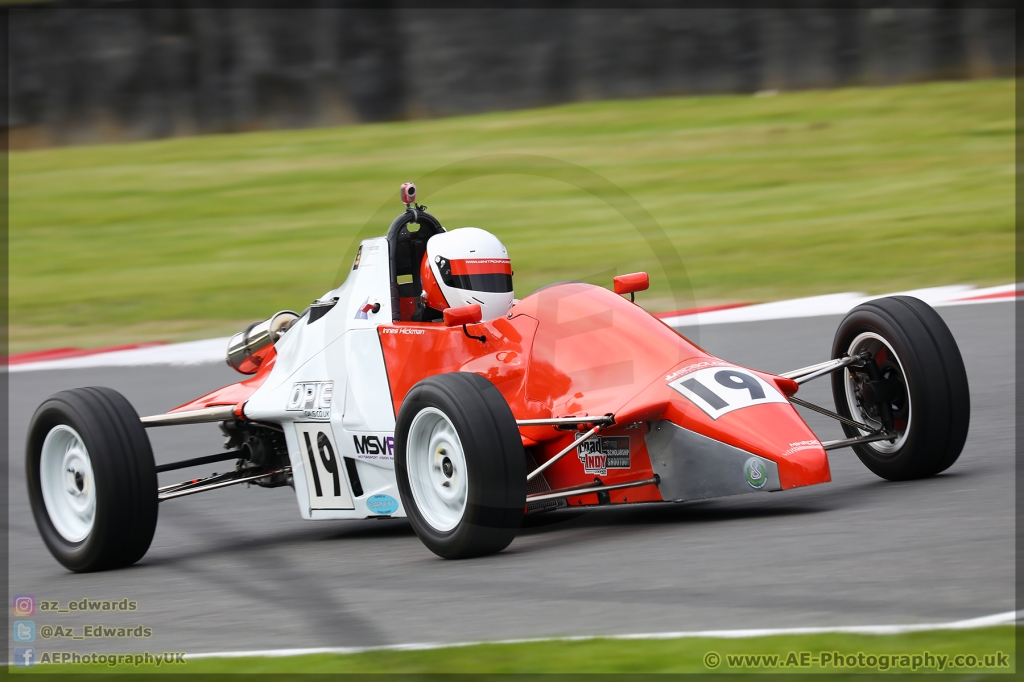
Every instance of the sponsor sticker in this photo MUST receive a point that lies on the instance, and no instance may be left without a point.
(802, 445)
(601, 453)
(382, 504)
(757, 473)
(721, 389)
(374, 447)
(312, 398)
(360, 313)
(694, 367)
(365, 256)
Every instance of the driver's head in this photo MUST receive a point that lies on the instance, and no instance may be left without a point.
(464, 266)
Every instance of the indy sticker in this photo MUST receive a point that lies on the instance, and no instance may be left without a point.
(599, 454)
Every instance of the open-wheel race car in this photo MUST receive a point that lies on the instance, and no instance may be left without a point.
(420, 388)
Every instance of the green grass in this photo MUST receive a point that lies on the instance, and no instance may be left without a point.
(870, 189)
(628, 656)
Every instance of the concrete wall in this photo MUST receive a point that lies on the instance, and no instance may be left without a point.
(131, 70)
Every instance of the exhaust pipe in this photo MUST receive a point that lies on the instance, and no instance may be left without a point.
(244, 345)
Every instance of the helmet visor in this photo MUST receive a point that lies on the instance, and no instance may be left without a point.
(491, 275)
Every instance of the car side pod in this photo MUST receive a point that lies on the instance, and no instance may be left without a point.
(693, 466)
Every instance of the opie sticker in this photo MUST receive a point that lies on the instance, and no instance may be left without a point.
(382, 504)
(312, 398)
(720, 390)
(601, 453)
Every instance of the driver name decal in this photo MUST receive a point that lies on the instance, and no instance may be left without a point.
(723, 389)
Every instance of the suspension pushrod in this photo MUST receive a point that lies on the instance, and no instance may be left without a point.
(802, 376)
(575, 444)
(566, 421)
(833, 415)
(203, 415)
(835, 444)
(585, 490)
(196, 461)
(200, 487)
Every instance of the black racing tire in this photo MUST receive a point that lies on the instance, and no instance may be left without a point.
(120, 468)
(493, 465)
(927, 381)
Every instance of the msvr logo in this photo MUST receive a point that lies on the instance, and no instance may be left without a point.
(375, 445)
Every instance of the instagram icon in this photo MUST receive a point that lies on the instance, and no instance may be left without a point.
(24, 605)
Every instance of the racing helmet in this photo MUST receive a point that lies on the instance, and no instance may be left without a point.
(465, 266)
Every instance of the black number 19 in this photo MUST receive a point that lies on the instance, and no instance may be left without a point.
(729, 379)
(329, 460)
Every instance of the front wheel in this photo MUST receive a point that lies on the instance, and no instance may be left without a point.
(91, 479)
(460, 465)
(920, 387)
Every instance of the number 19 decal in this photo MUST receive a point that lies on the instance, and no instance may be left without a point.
(720, 390)
(326, 483)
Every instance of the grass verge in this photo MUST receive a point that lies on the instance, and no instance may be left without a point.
(871, 189)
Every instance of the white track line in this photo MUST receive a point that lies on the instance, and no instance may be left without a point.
(836, 304)
(1007, 618)
(214, 350)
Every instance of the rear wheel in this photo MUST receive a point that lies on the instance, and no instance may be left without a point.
(920, 388)
(460, 465)
(91, 479)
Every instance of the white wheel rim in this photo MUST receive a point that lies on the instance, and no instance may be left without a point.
(68, 483)
(873, 342)
(437, 471)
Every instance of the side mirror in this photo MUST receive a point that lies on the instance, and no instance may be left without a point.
(463, 315)
(631, 283)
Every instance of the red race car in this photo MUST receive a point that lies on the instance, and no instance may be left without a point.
(421, 388)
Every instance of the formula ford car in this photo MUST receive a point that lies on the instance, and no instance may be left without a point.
(419, 388)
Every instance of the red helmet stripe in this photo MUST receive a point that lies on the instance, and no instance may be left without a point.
(482, 266)
(435, 297)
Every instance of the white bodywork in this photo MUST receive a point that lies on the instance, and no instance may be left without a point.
(329, 378)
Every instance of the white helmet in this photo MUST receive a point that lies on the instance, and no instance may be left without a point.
(465, 266)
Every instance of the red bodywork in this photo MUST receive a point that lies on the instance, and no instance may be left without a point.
(573, 350)
(580, 350)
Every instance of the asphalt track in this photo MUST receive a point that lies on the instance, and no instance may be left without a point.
(237, 569)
